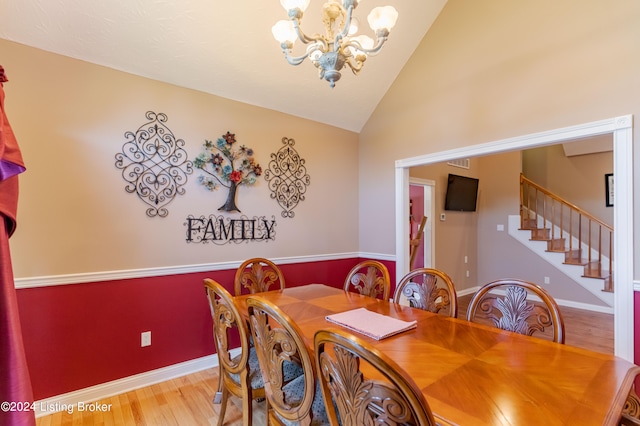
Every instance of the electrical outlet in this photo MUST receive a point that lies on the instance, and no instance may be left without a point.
(467, 274)
(547, 280)
(500, 227)
(145, 339)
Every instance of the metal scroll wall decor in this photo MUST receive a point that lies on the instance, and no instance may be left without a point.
(221, 230)
(287, 177)
(154, 165)
(227, 164)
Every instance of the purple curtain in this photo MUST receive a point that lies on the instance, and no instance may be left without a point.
(15, 385)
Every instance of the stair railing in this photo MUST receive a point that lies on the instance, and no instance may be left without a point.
(567, 221)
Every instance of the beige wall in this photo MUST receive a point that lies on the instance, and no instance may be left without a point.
(74, 214)
(498, 69)
(456, 235)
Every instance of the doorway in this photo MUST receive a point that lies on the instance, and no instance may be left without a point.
(622, 130)
(421, 196)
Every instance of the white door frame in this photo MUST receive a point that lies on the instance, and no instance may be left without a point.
(429, 211)
(622, 130)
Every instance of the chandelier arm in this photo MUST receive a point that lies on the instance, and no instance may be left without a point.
(355, 64)
(347, 24)
(294, 60)
(338, 39)
(381, 38)
(305, 38)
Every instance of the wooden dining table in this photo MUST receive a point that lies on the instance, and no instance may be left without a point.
(472, 374)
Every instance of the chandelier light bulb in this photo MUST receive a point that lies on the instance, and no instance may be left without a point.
(284, 32)
(295, 4)
(382, 18)
(354, 27)
(365, 41)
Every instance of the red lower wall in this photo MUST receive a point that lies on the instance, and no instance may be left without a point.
(81, 335)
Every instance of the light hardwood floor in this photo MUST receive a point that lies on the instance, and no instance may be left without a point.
(182, 401)
(187, 400)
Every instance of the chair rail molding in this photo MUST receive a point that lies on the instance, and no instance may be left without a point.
(92, 277)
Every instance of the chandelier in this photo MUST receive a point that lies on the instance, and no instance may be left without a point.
(340, 45)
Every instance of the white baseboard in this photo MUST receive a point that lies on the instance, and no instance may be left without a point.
(585, 306)
(467, 291)
(69, 401)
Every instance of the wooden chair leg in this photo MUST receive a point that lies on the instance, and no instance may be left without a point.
(247, 408)
(224, 397)
(218, 397)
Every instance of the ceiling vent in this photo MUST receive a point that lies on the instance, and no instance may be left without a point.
(463, 163)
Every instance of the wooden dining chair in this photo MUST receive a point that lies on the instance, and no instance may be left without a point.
(370, 278)
(279, 340)
(628, 420)
(505, 305)
(256, 275)
(428, 289)
(239, 375)
(631, 409)
(351, 399)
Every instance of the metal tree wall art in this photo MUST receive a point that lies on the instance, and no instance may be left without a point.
(154, 164)
(287, 177)
(228, 165)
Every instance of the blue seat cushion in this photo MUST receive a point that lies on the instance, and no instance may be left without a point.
(294, 392)
(291, 371)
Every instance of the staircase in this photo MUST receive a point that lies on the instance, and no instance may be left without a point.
(575, 241)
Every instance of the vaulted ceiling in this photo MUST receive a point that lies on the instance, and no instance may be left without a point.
(220, 47)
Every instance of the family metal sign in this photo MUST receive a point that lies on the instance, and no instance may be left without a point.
(222, 230)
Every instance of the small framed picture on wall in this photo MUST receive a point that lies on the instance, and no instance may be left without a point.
(608, 185)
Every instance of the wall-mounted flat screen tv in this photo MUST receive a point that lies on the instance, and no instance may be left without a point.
(462, 193)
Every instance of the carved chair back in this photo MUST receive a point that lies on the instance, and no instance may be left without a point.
(352, 399)
(257, 275)
(518, 306)
(631, 409)
(278, 341)
(370, 278)
(428, 289)
(239, 375)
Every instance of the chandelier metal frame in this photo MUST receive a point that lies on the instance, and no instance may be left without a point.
(339, 46)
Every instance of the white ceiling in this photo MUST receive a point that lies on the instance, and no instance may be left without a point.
(219, 47)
